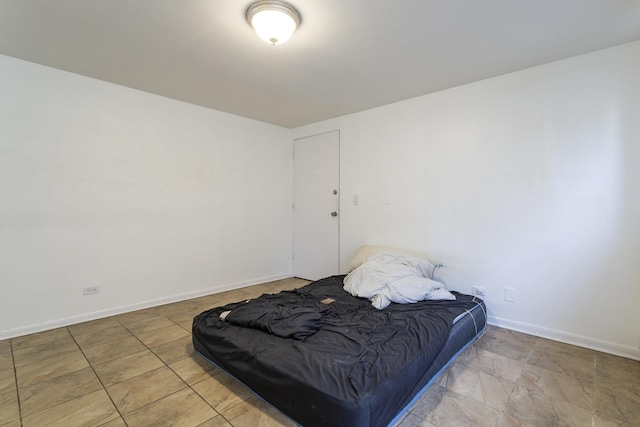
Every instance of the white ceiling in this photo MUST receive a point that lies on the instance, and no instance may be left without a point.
(347, 56)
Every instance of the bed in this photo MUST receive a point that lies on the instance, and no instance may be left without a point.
(324, 357)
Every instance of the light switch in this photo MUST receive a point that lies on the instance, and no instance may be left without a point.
(509, 294)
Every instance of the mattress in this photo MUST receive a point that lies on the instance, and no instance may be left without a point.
(362, 366)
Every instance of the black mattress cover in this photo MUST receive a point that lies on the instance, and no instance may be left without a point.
(361, 367)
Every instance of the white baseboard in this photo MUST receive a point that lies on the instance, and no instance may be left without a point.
(527, 328)
(567, 337)
(85, 317)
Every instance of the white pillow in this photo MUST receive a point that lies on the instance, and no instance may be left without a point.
(366, 251)
(390, 277)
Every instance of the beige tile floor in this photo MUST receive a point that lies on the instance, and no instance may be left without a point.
(140, 369)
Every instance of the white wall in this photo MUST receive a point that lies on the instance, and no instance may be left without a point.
(151, 199)
(529, 180)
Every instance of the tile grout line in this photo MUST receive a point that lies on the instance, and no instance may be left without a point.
(593, 396)
(147, 348)
(190, 385)
(15, 377)
(150, 350)
(503, 411)
(99, 380)
(105, 388)
(187, 385)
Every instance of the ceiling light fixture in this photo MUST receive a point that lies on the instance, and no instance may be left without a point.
(274, 21)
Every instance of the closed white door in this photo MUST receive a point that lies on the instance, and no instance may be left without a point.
(316, 214)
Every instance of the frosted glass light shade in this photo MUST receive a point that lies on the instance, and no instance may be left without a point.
(273, 21)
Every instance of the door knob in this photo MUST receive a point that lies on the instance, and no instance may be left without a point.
(334, 213)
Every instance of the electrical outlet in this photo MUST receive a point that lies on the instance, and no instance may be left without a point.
(478, 291)
(509, 294)
(90, 290)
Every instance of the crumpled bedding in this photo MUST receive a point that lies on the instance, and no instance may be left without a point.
(266, 315)
(392, 277)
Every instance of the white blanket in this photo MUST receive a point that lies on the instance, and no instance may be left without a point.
(390, 277)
